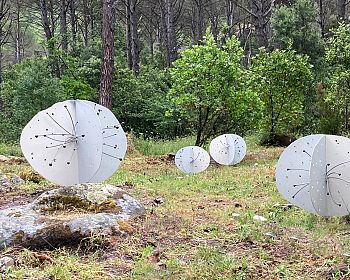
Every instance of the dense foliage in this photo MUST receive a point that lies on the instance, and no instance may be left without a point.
(289, 75)
(283, 79)
(209, 88)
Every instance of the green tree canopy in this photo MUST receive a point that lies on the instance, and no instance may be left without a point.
(282, 78)
(209, 88)
(297, 26)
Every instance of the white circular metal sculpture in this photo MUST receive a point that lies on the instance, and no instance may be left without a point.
(114, 143)
(313, 173)
(228, 149)
(192, 159)
(66, 143)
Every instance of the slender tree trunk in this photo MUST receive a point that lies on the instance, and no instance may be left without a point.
(230, 9)
(198, 21)
(260, 23)
(73, 21)
(132, 40)
(107, 67)
(45, 20)
(18, 56)
(1, 55)
(49, 33)
(51, 11)
(341, 9)
(86, 22)
(128, 36)
(322, 17)
(63, 25)
(4, 31)
(169, 31)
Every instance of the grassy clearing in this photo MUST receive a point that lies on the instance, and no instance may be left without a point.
(204, 229)
(10, 150)
(153, 147)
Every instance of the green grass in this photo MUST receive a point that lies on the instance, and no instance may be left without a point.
(10, 150)
(153, 147)
(194, 234)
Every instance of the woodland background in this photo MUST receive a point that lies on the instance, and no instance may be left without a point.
(184, 67)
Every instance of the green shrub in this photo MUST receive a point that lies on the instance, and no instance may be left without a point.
(29, 88)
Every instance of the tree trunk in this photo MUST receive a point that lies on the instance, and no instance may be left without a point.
(18, 56)
(51, 10)
(86, 22)
(63, 25)
(1, 62)
(322, 17)
(107, 67)
(341, 9)
(260, 23)
(132, 40)
(198, 21)
(49, 33)
(230, 9)
(73, 21)
(45, 20)
(4, 30)
(169, 32)
(128, 36)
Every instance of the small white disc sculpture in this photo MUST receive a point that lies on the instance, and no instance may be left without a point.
(228, 149)
(74, 142)
(314, 174)
(192, 159)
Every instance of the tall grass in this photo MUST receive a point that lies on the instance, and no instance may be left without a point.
(10, 149)
(154, 147)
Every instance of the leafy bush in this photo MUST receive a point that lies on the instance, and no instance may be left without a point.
(297, 26)
(141, 103)
(209, 89)
(282, 78)
(29, 88)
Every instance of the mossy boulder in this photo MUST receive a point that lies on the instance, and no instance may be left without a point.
(66, 215)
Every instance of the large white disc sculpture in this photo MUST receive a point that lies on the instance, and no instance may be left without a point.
(192, 159)
(228, 149)
(67, 142)
(313, 173)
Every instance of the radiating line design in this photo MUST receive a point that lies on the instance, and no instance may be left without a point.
(313, 173)
(70, 136)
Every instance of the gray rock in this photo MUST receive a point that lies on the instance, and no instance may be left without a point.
(10, 182)
(16, 180)
(66, 215)
(6, 262)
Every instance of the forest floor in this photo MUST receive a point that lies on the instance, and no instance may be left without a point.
(196, 227)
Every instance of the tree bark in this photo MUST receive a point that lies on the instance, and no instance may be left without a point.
(169, 31)
(45, 20)
(322, 17)
(341, 9)
(63, 25)
(73, 21)
(18, 56)
(260, 13)
(230, 15)
(198, 21)
(107, 67)
(260, 22)
(132, 41)
(49, 33)
(86, 22)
